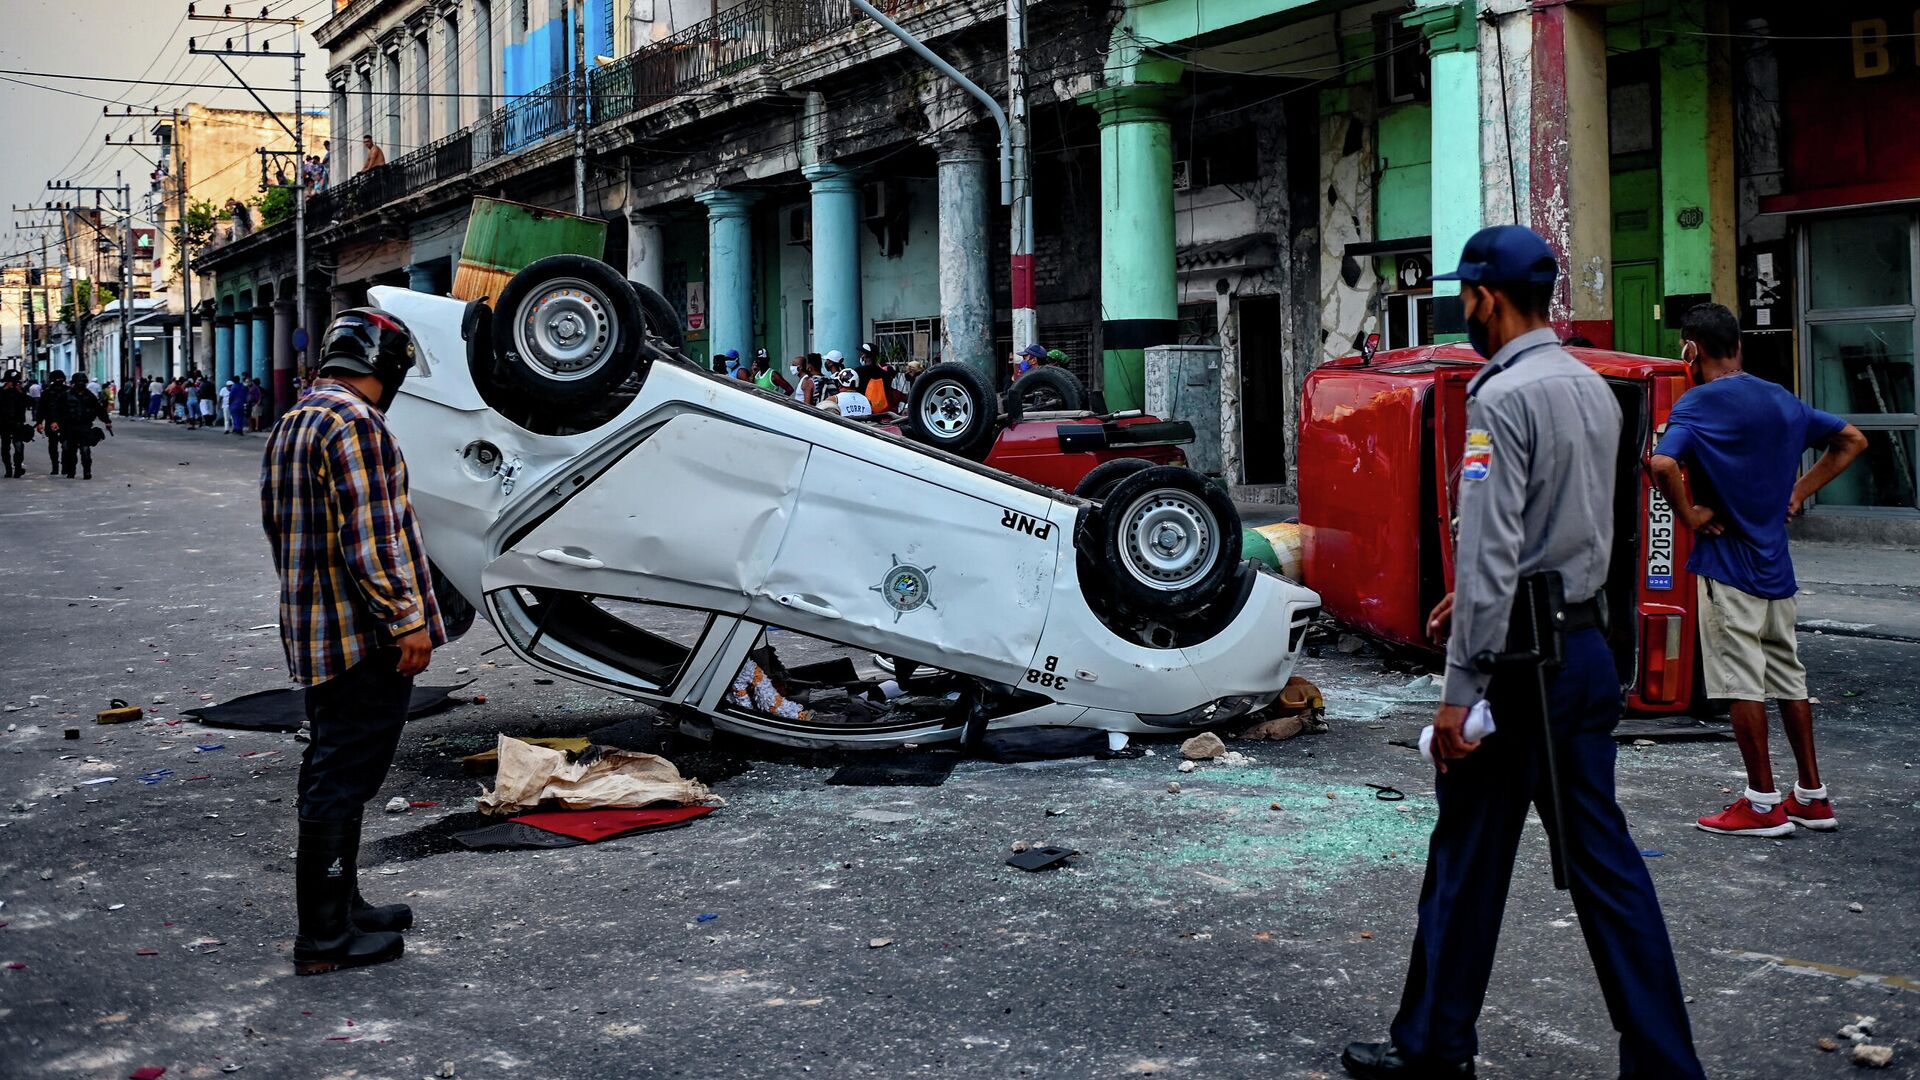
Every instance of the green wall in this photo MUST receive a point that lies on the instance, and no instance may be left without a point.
(1404, 149)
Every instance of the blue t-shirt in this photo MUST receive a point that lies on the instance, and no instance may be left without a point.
(1741, 438)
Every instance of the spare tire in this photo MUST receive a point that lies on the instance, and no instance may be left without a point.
(953, 407)
(1166, 542)
(662, 320)
(1102, 478)
(568, 330)
(1049, 389)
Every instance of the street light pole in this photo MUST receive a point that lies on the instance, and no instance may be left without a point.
(578, 11)
(1026, 320)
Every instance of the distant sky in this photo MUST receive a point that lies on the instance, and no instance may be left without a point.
(49, 135)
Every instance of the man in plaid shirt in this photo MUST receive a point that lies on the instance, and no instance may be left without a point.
(357, 617)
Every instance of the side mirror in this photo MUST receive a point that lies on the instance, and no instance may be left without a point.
(1368, 348)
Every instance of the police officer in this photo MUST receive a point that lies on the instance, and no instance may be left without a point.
(48, 410)
(77, 414)
(15, 427)
(1536, 509)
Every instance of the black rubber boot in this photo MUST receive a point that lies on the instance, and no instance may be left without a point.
(390, 918)
(323, 888)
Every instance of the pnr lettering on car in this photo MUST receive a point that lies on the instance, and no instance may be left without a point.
(1047, 677)
(1034, 527)
(1478, 458)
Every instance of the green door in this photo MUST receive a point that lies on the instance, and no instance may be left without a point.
(1637, 327)
(1636, 294)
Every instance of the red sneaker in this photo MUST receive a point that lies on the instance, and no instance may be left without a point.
(1814, 814)
(1741, 819)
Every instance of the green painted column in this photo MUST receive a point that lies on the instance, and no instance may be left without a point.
(1138, 288)
(1454, 81)
(1696, 165)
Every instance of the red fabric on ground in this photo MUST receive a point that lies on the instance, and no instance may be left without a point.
(596, 825)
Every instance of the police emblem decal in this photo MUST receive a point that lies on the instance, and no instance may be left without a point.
(906, 588)
(1478, 457)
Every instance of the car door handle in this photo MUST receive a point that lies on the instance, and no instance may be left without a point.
(568, 558)
(800, 603)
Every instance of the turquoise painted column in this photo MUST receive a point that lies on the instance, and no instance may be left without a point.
(1454, 80)
(836, 258)
(222, 349)
(242, 351)
(1138, 287)
(729, 271)
(966, 280)
(261, 342)
(420, 278)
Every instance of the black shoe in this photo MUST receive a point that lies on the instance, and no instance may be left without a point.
(390, 918)
(323, 889)
(1385, 1061)
(88, 475)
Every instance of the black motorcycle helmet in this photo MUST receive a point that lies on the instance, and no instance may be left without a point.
(368, 341)
(12, 376)
(56, 377)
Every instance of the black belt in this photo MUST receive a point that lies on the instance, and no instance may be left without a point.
(1588, 614)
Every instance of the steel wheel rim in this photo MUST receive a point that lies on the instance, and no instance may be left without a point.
(565, 329)
(947, 411)
(1167, 539)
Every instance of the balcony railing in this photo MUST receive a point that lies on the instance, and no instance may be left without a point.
(736, 40)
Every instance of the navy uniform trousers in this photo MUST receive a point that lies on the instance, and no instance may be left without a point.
(1483, 802)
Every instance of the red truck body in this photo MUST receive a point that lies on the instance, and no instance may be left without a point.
(1059, 449)
(1379, 451)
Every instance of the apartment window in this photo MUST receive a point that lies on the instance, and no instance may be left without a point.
(1861, 313)
(901, 340)
(1401, 74)
(483, 54)
(450, 56)
(423, 97)
(393, 102)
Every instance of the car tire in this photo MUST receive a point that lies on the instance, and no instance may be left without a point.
(1101, 479)
(954, 408)
(662, 320)
(1166, 541)
(568, 330)
(1049, 389)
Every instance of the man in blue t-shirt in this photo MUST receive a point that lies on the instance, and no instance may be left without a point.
(1741, 438)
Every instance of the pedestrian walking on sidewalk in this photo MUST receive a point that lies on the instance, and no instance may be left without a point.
(48, 410)
(235, 396)
(1536, 522)
(1740, 439)
(16, 424)
(357, 618)
(204, 393)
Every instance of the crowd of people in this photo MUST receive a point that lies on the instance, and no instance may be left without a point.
(869, 385)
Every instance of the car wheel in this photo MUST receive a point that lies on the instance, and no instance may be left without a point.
(951, 406)
(1049, 389)
(662, 320)
(1169, 542)
(568, 330)
(1102, 477)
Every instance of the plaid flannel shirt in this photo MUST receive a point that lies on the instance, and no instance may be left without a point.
(353, 570)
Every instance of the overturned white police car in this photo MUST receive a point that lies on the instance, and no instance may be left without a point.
(631, 522)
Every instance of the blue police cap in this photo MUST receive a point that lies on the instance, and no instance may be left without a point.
(1505, 255)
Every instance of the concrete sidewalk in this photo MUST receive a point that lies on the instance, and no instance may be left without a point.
(1858, 591)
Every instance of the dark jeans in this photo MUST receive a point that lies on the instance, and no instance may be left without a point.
(13, 448)
(53, 451)
(356, 721)
(1483, 807)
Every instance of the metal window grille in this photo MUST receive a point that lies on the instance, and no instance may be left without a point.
(901, 340)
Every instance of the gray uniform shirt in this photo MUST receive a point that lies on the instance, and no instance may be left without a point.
(1536, 493)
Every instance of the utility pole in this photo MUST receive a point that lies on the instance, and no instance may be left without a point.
(1026, 320)
(176, 145)
(283, 358)
(577, 9)
(125, 210)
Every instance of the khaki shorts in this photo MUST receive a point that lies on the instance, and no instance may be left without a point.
(1747, 647)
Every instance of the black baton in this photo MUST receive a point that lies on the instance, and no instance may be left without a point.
(1538, 600)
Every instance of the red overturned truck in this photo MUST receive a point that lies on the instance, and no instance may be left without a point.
(1380, 444)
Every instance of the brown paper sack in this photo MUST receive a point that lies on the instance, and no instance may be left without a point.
(531, 776)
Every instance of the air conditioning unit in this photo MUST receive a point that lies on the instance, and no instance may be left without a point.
(800, 225)
(1182, 175)
(876, 201)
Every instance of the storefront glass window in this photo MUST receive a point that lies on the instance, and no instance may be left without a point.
(1863, 367)
(1861, 261)
(1882, 476)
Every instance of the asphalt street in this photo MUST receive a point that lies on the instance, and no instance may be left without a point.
(857, 931)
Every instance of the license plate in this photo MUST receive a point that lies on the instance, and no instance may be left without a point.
(1659, 540)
